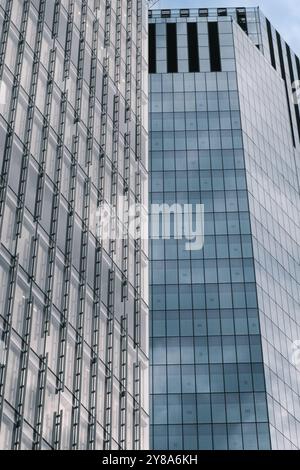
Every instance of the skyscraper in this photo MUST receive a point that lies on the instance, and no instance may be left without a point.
(73, 306)
(225, 132)
(225, 320)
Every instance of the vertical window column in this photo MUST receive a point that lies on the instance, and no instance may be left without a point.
(152, 48)
(192, 32)
(283, 75)
(241, 17)
(271, 44)
(172, 61)
(214, 46)
(292, 77)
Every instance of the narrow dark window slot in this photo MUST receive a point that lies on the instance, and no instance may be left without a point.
(172, 63)
(241, 17)
(279, 45)
(283, 74)
(152, 48)
(297, 88)
(297, 112)
(289, 57)
(192, 32)
(271, 44)
(298, 66)
(292, 75)
(214, 46)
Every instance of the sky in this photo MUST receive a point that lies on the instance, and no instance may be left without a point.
(283, 14)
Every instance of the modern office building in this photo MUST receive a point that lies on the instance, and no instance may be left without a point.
(225, 132)
(225, 319)
(73, 306)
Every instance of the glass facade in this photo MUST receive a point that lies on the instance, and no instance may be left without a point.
(73, 307)
(271, 146)
(223, 132)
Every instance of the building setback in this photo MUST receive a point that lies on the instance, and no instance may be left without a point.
(225, 132)
(73, 307)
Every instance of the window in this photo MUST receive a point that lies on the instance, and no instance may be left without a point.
(8, 224)
(214, 47)
(202, 378)
(184, 13)
(242, 18)
(3, 287)
(172, 66)
(175, 409)
(12, 377)
(203, 12)
(7, 428)
(165, 13)
(152, 48)
(159, 379)
(218, 408)
(222, 11)
(193, 51)
(189, 408)
(160, 409)
(188, 379)
(235, 441)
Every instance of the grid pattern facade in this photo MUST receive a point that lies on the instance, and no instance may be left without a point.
(223, 319)
(248, 19)
(73, 307)
(273, 186)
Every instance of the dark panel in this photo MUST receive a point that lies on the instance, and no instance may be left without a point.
(184, 12)
(272, 53)
(192, 32)
(279, 45)
(152, 48)
(203, 12)
(298, 66)
(283, 74)
(292, 75)
(165, 13)
(289, 57)
(214, 46)
(241, 17)
(297, 86)
(297, 118)
(172, 65)
(222, 11)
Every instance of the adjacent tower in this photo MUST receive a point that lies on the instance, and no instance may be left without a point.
(225, 320)
(73, 306)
